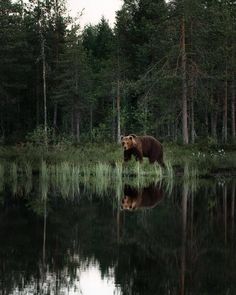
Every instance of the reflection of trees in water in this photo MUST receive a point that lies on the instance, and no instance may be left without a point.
(183, 237)
(55, 247)
(204, 251)
(21, 253)
(146, 251)
(209, 256)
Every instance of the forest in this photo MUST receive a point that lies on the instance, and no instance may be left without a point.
(167, 69)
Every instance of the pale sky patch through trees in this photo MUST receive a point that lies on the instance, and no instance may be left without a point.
(93, 10)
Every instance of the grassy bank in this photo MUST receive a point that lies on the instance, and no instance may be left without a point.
(100, 168)
(204, 159)
(69, 179)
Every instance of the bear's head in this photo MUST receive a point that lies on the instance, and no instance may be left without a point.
(128, 142)
(131, 198)
(128, 203)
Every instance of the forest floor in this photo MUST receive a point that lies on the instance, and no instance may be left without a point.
(206, 160)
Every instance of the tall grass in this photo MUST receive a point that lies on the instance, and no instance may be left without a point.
(28, 180)
(118, 171)
(75, 180)
(67, 178)
(191, 176)
(84, 170)
(99, 178)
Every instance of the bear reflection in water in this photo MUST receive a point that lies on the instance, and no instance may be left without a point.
(147, 197)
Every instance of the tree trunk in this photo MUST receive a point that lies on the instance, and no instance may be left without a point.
(225, 110)
(192, 121)
(42, 40)
(233, 65)
(57, 60)
(192, 87)
(213, 117)
(118, 95)
(44, 90)
(175, 130)
(233, 110)
(184, 85)
(91, 122)
(113, 119)
(37, 106)
(206, 123)
(2, 130)
(22, 8)
(118, 110)
(55, 116)
(54, 121)
(146, 116)
(213, 124)
(72, 122)
(77, 126)
(77, 109)
(37, 93)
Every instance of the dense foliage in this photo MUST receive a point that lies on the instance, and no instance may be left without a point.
(166, 69)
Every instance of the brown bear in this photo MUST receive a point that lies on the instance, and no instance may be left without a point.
(142, 146)
(147, 197)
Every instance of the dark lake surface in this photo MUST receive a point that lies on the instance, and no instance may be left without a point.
(143, 239)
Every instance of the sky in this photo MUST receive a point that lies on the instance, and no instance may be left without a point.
(93, 10)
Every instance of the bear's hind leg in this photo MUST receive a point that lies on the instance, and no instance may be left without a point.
(152, 161)
(138, 156)
(161, 163)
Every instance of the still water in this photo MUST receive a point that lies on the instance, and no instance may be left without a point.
(130, 239)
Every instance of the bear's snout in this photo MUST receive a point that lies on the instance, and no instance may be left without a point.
(125, 144)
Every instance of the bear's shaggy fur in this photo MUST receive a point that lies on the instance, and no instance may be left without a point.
(142, 146)
(147, 197)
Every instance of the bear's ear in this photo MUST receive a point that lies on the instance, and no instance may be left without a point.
(133, 135)
(133, 138)
(121, 137)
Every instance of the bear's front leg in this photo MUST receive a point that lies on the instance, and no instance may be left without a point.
(139, 156)
(127, 155)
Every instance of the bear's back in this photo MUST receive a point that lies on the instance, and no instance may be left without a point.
(150, 144)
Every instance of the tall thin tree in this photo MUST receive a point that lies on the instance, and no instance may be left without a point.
(118, 95)
(43, 57)
(184, 84)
